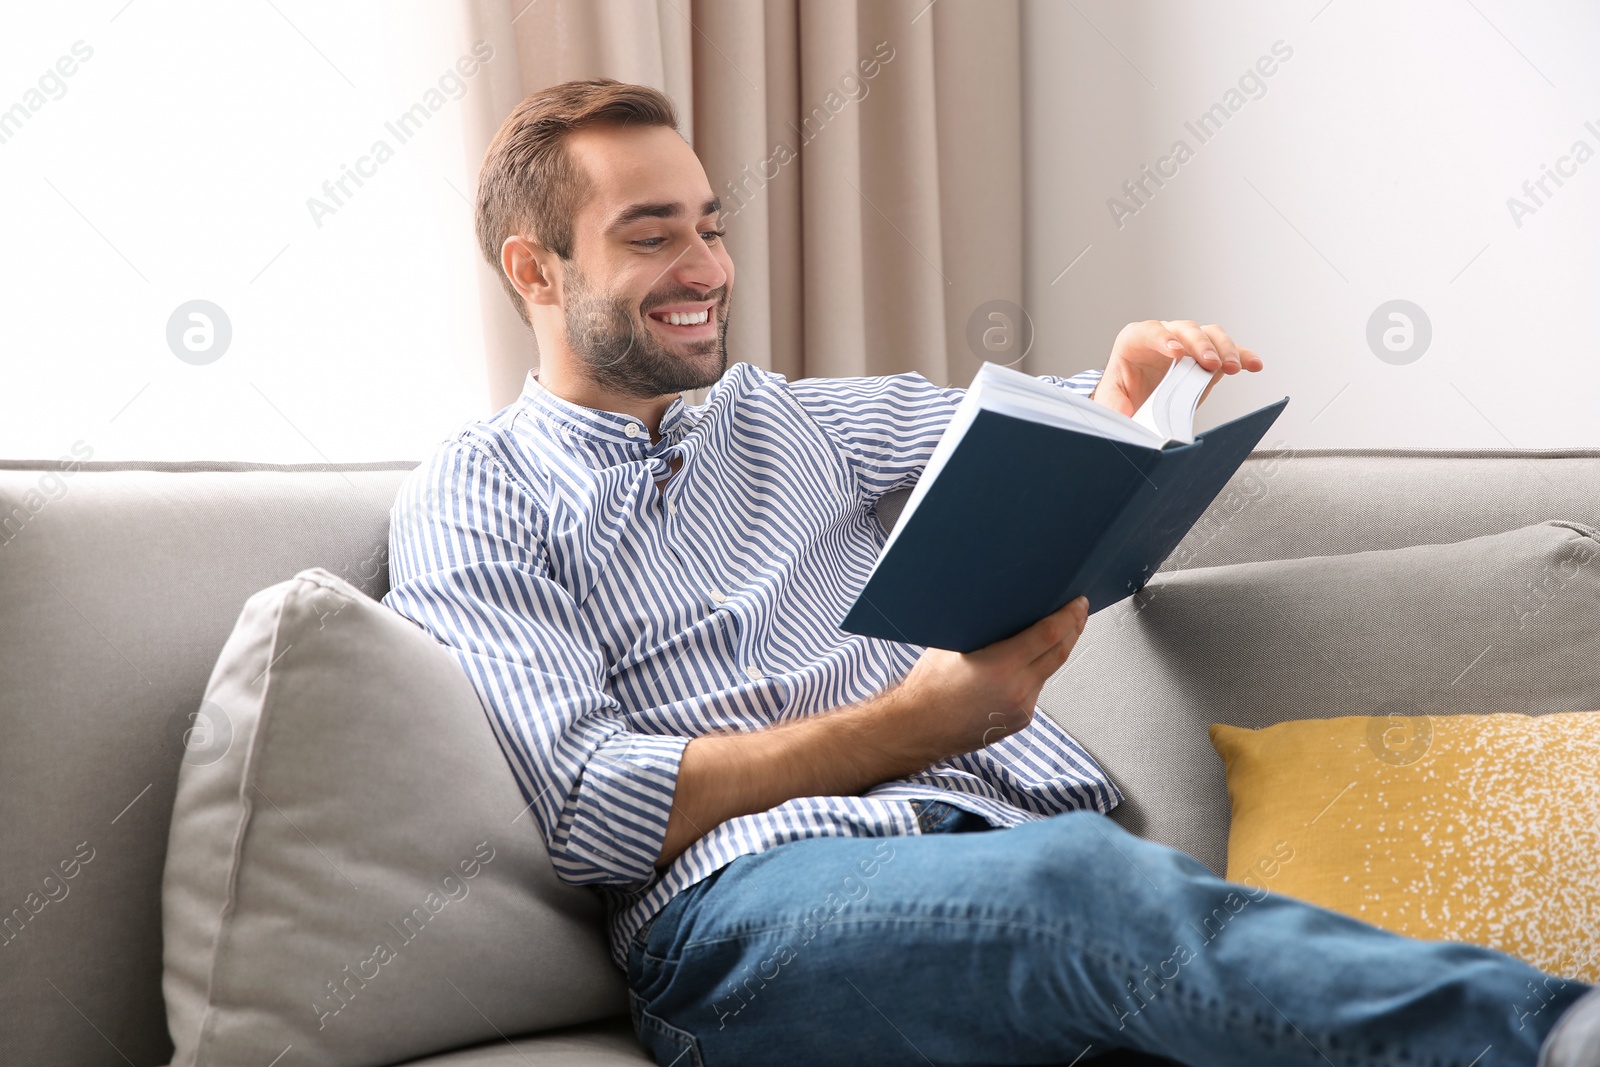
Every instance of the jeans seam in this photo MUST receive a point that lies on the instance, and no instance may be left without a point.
(1287, 1037)
(1064, 933)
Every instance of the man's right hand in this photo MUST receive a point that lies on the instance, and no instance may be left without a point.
(948, 704)
(957, 702)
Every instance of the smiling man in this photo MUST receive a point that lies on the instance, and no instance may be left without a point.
(816, 847)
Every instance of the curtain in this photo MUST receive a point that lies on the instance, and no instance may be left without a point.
(868, 154)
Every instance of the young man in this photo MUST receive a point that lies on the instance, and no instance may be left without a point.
(820, 848)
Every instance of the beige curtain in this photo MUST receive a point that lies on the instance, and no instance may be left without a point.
(868, 153)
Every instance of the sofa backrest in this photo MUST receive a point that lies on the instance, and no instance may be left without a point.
(119, 584)
(1292, 503)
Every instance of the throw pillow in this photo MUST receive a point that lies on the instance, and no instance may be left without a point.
(1476, 828)
(349, 871)
(1504, 622)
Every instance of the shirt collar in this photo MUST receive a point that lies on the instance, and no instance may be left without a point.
(597, 424)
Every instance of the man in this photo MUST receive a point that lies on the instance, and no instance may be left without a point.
(816, 847)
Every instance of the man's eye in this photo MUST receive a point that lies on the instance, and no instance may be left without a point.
(650, 242)
(712, 236)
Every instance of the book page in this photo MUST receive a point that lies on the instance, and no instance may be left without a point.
(1012, 392)
(1169, 411)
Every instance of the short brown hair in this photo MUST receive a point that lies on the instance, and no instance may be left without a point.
(528, 183)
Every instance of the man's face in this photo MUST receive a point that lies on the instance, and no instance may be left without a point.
(645, 250)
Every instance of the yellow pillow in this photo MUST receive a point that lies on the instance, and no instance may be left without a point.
(1472, 828)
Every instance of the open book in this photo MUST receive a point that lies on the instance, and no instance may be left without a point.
(1035, 495)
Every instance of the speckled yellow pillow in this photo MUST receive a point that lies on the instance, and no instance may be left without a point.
(1475, 828)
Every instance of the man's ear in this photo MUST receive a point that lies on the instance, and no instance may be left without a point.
(532, 269)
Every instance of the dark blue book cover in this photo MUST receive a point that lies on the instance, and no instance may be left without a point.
(1024, 517)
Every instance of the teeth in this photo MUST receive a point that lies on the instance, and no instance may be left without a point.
(676, 318)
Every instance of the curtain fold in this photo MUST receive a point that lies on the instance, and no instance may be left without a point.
(867, 152)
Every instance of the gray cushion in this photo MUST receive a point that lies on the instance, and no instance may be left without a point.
(118, 586)
(604, 1044)
(350, 870)
(1506, 622)
(1293, 503)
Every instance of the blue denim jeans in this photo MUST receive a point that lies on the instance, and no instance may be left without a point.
(1052, 942)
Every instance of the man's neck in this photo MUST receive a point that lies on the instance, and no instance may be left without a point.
(576, 389)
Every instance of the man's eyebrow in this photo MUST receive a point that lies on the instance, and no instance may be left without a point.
(663, 210)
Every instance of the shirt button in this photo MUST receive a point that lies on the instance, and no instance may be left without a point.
(672, 507)
(632, 429)
(715, 595)
(753, 673)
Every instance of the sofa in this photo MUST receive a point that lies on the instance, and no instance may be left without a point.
(120, 583)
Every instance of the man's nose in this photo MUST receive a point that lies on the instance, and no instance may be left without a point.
(699, 267)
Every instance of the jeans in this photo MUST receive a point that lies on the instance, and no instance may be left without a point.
(1051, 942)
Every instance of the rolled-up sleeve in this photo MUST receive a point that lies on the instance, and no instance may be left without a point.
(1082, 383)
(468, 565)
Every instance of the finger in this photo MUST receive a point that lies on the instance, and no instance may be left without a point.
(1195, 343)
(1110, 393)
(1250, 360)
(1050, 660)
(1076, 613)
(1225, 346)
(1037, 639)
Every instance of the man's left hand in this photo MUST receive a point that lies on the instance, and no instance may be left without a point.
(1144, 351)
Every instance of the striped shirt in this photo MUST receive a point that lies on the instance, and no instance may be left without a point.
(605, 622)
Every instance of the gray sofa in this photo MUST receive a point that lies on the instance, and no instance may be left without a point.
(120, 582)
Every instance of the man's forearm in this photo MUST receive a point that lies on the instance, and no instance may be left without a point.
(948, 703)
(836, 753)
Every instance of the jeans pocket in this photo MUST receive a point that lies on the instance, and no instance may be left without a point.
(667, 1045)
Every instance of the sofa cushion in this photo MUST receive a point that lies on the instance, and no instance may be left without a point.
(349, 870)
(1475, 828)
(119, 584)
(1290, 503)
(1505, 622)
(610, 1043)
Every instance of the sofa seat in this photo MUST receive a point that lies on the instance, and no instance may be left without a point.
(604, 1044)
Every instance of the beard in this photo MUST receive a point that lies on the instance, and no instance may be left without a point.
(623, 355)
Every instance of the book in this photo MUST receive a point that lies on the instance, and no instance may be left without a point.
(1035, 495)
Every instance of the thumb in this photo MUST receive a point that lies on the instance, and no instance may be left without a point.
(1109, 392)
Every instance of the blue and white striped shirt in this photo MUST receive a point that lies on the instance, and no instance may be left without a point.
(606, 622)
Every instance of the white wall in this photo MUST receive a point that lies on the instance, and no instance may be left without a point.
(1375, 165)
(175, 162)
